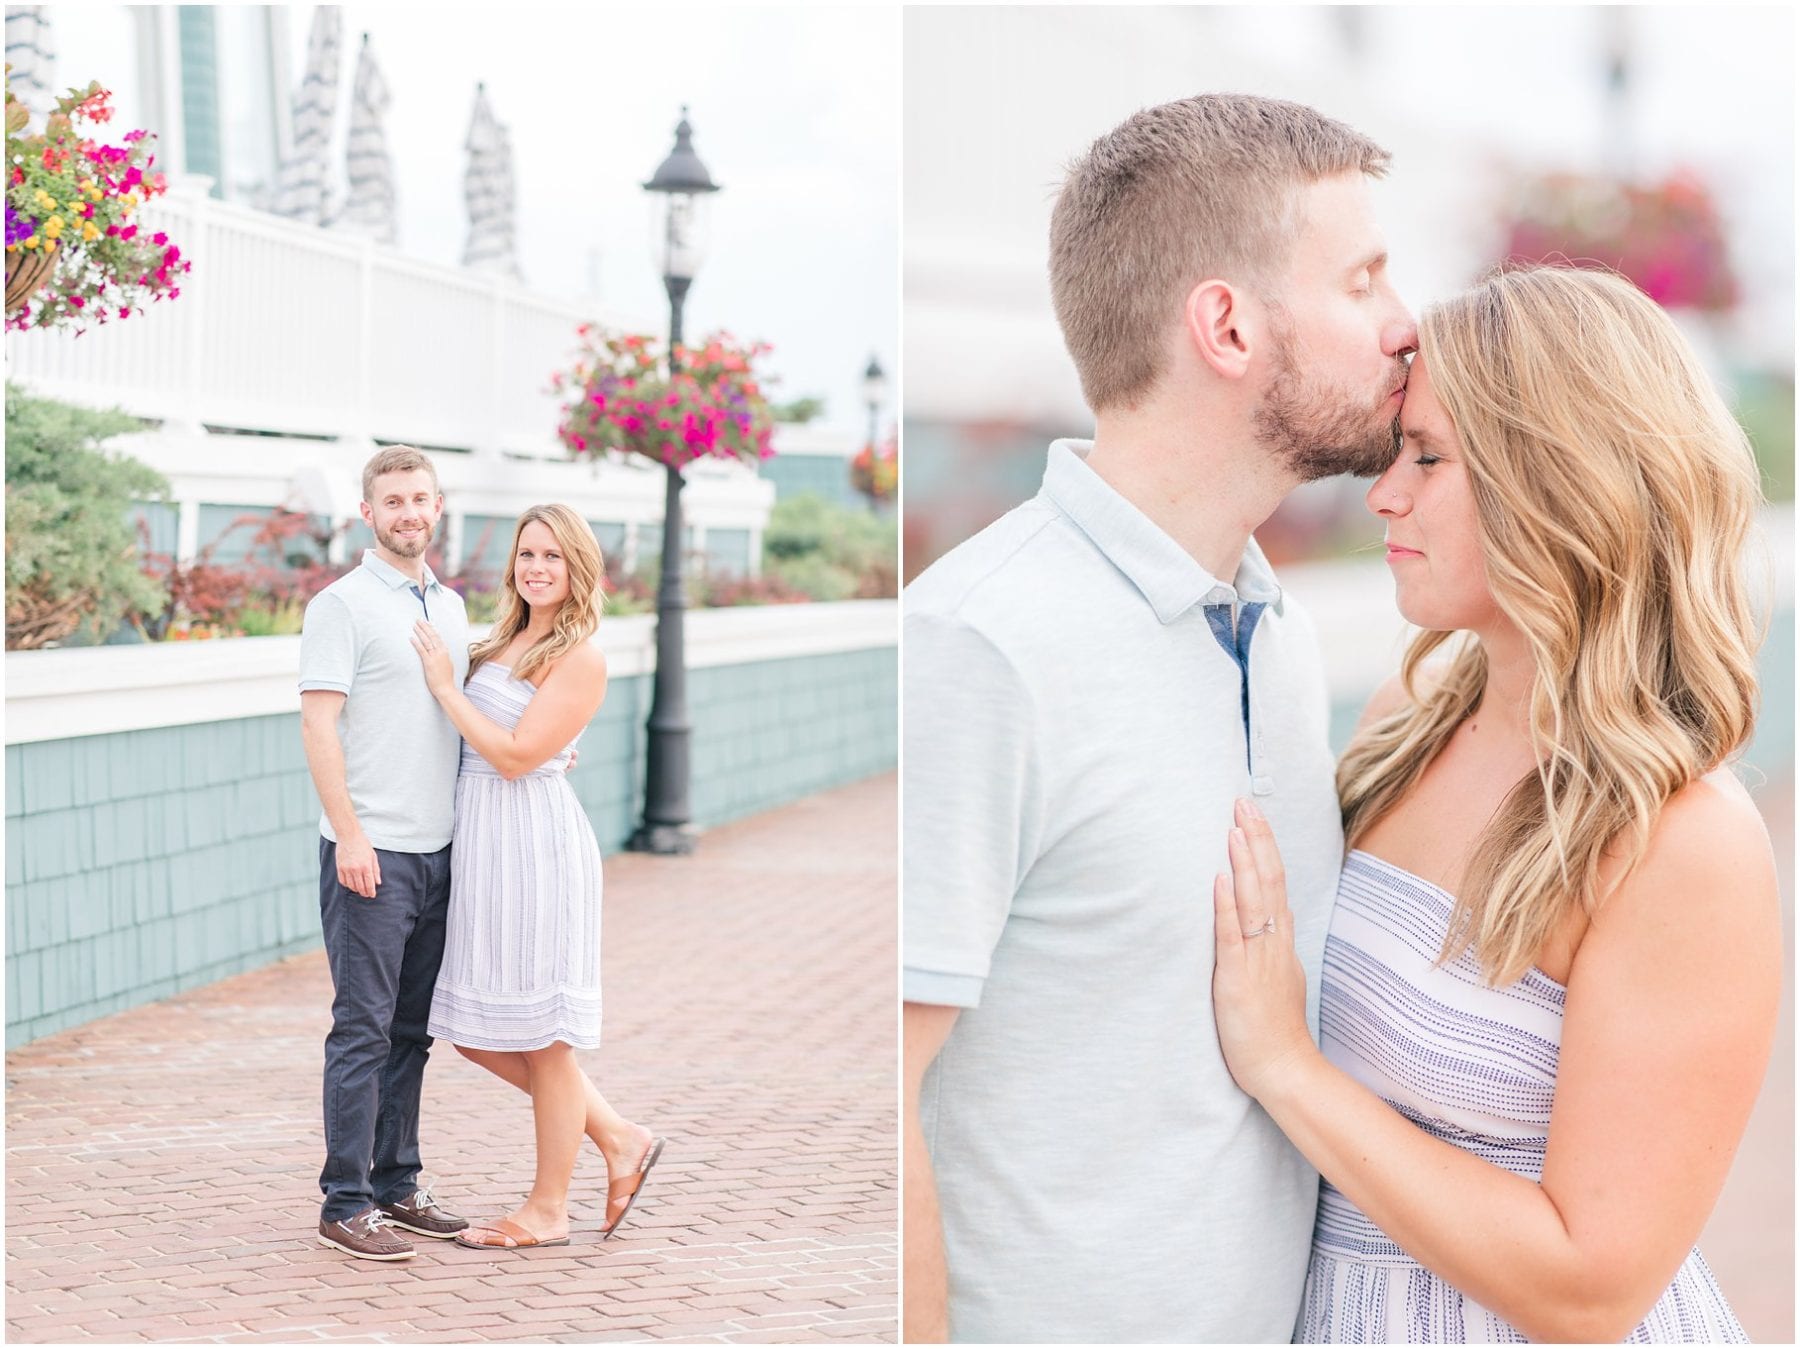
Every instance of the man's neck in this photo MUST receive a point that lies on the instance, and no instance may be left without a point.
(1208, 487)
(413, 568)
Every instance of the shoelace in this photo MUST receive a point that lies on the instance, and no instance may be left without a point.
(372, 1220)
(423, 1199)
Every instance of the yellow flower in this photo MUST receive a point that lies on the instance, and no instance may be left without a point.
(89, 233)
(32, 242)
(55, 222)
(131, 199)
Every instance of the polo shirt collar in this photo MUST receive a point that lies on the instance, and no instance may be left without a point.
(392, 575)
(1167, 576)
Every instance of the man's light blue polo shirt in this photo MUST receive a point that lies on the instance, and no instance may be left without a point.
(401, 753)
(1083, 702)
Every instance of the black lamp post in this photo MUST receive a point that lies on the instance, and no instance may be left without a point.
(874, 389)
(681, 186)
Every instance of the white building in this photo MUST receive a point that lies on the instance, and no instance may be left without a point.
(294, 351)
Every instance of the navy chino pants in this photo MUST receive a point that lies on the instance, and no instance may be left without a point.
(384, 955)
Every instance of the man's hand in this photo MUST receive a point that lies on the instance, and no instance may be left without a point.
(358, 867)
(927, 1277)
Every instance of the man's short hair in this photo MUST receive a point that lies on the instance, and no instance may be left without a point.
(397, 459)
(1205, 186)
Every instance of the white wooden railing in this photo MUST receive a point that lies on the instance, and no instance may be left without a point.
(288, 328)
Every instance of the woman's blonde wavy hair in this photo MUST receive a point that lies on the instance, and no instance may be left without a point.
(580, 613)
(1615, 493)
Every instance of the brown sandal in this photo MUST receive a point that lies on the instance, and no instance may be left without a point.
(512, 1237)
(625, 1189)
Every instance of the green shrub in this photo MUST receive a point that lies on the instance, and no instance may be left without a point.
(71, 551)
(831, 552)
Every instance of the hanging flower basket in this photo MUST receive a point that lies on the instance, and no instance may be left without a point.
(876, 473)
(74, 253)
(622, 397)
(25, 273)
(1668, 238)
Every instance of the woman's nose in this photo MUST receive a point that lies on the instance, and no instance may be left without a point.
(1384, 496)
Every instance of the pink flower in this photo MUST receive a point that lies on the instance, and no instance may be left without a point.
(135, 135)
(159, 238)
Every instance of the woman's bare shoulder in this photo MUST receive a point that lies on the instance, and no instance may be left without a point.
(585, 660)
(1709, 863)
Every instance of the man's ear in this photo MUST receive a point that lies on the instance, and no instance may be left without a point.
(368, 513)
(1215, 318)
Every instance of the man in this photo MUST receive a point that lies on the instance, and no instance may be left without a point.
(1090, 683)
(384, 759)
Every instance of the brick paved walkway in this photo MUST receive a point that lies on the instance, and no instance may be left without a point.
(162, 1163)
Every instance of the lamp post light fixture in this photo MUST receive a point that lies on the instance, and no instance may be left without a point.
(680, 188)
(874, 389)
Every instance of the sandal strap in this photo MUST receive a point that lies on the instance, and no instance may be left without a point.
(506, 1227)
(623, 1188)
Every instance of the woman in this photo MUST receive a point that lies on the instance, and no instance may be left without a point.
(519, 990)
(1551, 978)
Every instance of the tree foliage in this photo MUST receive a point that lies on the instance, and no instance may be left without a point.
(71, 551)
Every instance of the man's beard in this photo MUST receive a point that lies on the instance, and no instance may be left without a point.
(1318, 431)
(407, 548)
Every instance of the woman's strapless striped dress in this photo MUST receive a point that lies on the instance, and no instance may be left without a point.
(522, 940)
(1472, 1065)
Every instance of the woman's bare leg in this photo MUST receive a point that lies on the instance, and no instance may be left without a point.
(559, 1108)
(620, 1141)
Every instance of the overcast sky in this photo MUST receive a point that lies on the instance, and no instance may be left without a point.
(795, 113)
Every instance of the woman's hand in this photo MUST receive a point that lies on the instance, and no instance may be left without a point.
(440, 675)
(1259, 988)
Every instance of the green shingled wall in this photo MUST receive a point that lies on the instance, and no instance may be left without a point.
(142, 863)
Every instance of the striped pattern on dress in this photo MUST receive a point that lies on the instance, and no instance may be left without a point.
(521, 965)
(1472, 1065)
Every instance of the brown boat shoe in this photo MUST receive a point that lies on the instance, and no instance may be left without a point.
(422, 1214)
(366, 1236)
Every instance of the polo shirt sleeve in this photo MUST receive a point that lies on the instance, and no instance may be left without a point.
(972, 805)
(327, 645)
